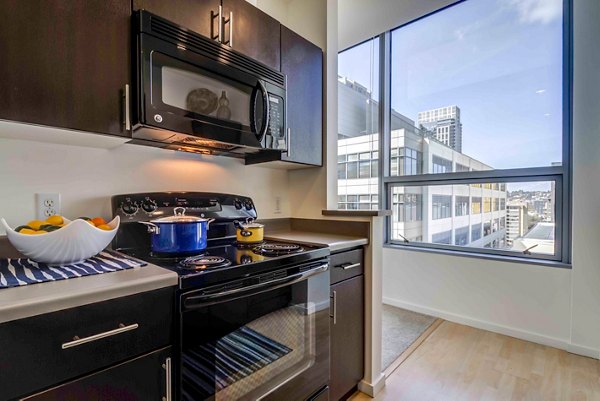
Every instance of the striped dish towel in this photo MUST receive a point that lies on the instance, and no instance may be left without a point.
(18, 272)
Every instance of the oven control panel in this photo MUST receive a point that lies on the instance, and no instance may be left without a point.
(148, 206)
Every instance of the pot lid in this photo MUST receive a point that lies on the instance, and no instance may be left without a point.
(252, 225)
(179, 217)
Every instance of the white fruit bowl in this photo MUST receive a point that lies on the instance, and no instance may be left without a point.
(78, 240)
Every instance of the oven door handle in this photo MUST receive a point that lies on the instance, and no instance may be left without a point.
(200, 301)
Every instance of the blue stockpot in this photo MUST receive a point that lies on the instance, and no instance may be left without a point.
(178, 234)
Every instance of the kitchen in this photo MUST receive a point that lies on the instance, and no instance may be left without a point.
(65, 129)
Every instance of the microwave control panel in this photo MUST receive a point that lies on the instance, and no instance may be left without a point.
(275, 137)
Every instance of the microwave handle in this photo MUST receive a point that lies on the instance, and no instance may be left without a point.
(260, 131)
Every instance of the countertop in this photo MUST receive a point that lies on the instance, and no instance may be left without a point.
(335, 242)
(36, 299)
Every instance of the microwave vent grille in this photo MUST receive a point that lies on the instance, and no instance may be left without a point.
(213, 49)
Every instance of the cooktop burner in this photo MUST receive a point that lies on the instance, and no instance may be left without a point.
(248, 245)
(204, 262)
(274, 249)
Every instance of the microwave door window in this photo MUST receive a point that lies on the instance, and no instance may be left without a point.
(205, 95)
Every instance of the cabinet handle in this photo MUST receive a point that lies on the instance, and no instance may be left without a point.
(168, 384)
(348, 266)
(334, 298)
(230, 22)
(289, 142)
(80, 341)
(127, 111)
(219, 36)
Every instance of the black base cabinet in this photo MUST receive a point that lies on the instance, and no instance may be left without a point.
(347, 323)
(46, 351)
(146, 378)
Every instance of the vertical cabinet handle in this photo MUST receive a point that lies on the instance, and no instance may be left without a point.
(289, 142)
(219, 36)
(126, 111)
(229, 21)
(168, 384)
(334, 307)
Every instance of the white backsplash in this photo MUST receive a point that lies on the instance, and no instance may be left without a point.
(87, 177)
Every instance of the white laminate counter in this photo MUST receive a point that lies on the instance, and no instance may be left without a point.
(36, 299)
(335, 242)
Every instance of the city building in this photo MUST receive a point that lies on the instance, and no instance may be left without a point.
(516, 221)
(443, 124)
(466, 215)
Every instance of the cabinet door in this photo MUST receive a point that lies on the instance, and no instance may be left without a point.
(65, 63)
(191, 14)
(253, 32)
(302, 62)
(347, 336)
(146, 378)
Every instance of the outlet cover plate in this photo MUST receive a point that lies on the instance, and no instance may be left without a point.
(46, 205)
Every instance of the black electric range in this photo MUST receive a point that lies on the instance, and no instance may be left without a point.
(252, 319)
(225, 260)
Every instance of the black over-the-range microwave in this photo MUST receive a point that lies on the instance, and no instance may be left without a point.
(195, 94)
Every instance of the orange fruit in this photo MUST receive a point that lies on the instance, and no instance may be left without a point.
(55, 220)
(98, 221)
(105, 227)
(27, 231)
(36, 224)
(40, 232)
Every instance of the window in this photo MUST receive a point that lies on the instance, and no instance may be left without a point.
(440, 206)
(440, 165)
(408, 207)
(358, 122)
(476, 129)
(461, 206)
(475, 232)
(461, 236)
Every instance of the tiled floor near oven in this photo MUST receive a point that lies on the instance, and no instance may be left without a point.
(460, 363)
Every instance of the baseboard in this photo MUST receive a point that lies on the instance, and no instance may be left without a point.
(582, 350)
(496, 328)
(371, 389)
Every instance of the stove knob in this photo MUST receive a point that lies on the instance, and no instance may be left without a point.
(149, 206)
(129, 208)
(238, 204)
(248, 205)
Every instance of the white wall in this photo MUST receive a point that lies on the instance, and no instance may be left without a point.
(549, 305)
(361, 20)
(86, 177)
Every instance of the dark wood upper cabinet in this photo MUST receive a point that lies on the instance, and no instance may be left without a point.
(65, 63)
(302, 62)
(253, 32)
(191, 14)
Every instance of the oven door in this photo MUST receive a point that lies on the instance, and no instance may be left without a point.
(186, 92)
(266, 342)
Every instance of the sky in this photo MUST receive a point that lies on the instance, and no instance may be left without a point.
(499, 61)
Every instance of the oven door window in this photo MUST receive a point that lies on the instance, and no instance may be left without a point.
(258, 347)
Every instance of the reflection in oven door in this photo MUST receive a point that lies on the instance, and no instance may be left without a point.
(258, 347)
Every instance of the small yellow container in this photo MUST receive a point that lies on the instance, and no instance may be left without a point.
(249, 232)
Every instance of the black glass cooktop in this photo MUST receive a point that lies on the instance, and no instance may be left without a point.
(225, 260)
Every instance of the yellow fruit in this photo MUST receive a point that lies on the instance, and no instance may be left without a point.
(36, 224)
(27, 231)
(55, 220)
(105, 227)
(40, 232)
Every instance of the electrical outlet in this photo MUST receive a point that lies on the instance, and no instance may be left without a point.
(277, 205)
(47, 205)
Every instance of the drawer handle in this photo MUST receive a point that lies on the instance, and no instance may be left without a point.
(79, 341)
(349, 266)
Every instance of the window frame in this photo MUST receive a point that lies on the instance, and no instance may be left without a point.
(562, 175)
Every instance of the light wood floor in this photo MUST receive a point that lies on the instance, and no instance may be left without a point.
(462, 363)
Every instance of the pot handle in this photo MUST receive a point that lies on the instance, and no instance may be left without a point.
(152, 228)
(208, 223)
(179, 211)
